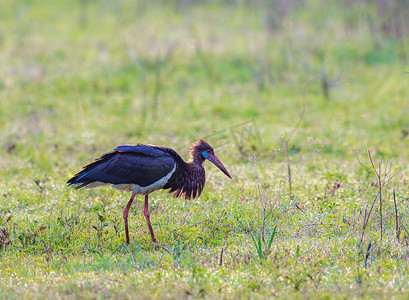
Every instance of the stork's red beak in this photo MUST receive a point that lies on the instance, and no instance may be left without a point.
(214, 160)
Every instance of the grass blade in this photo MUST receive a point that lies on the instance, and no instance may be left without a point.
(95, 251)
(257, 245)
(270, 241)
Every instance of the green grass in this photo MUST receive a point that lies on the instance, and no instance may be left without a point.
(79, 78)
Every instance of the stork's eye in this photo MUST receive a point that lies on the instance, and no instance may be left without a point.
(209, 152)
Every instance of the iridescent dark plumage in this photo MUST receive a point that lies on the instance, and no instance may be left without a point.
(189, 179)
(143, 169)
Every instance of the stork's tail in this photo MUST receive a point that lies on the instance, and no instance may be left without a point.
(80, 180)
(88, 177)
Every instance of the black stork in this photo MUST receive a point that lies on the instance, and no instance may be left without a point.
(142, 169)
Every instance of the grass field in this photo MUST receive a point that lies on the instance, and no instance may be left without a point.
(296, 98)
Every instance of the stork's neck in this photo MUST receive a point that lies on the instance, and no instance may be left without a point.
(197, 159)
(194, 179)
(188, 180)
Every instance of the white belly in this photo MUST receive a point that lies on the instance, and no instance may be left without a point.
(144, 190)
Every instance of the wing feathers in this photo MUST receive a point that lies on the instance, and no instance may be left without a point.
(141, 165)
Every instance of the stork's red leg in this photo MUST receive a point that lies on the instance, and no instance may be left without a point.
(148, 219)
(125, 213)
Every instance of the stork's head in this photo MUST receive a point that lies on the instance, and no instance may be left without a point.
(200, 151)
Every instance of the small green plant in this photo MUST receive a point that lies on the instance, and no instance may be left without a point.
(263, 248)
(384, 175)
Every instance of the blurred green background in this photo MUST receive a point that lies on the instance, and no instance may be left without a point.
(77, 74)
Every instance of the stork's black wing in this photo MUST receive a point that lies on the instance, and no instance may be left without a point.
(139, 164)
